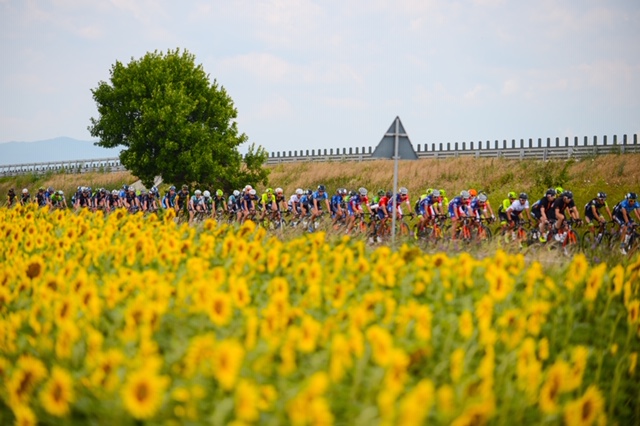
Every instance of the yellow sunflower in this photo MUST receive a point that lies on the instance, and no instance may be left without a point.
(57, 394)
(143, 393)
(585, 410)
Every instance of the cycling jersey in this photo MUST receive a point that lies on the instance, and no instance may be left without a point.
(169, 200)
(626, 206)
(197, 202)
(476, 208)
(543, 203)
(588, 208)
(561, 206)
(517, 207)
(457, 205)
(336, 201)
(355, 205)
(425, 205)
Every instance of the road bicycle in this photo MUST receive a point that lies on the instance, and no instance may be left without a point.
(597, 241)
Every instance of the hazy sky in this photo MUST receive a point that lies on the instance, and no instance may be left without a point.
(310, 74)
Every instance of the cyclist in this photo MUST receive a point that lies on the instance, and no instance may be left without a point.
(26, 197)
(517, 207)
(267, 204)
(542, 210)
(114, 201)
(182, 199)
(131, 200)
(249, 203)
(219, 202)
(281, 204)
(562, 206)
(143, 197)
(196, 205)
(101, 200)
(354, 207)
(41, 199)
(502, 210)
(622, 215)
(152, 203)
(402, 198)
(428, 208)
(592, 211)
(11, 197)
(58, 201)
(318, 198)
(84, 199)
(169, 199)
(458, 209)
(208, 202)
(444, 203)
(337, 205)
(480, 207)
(294, 204)
(234, 204)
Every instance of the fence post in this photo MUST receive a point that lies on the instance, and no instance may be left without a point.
(604, 140)
(479, 144)
(471, 145)
(540, 143)
(615, 139)
(575, 141)
(586, 141)
(530, 143)
(566, 141)
(440, 146)
(448, 146)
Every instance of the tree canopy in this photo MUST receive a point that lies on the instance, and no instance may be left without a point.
(174, 123)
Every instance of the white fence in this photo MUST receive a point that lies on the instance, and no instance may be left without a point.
(522, 149)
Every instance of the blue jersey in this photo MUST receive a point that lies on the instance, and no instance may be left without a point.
(354, 204)
(457, 203)
(318, 196)
(336, 201)
(624, 204)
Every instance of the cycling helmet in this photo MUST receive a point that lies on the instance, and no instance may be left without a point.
(342, 191)
(523, 196)
(236, 193)
(429, 191)
(465, 195)
(252, 191)
(403, 190)
(143, 191)
(248, 188)
(172, 188)
(389, 194)
(482, 198)
(185, 187)
(299, 191)
(381, 192)
(25, 191)
(512, 195)
(363, 191)
(60, 192)
(322, 188)
(309, 192)
(269, 191)
(114, 192)
(198, 192)
(206, 194)
(353, 193)
(559, 190)
(550, 191)
(131, 189)
(278, 191)
(473, 192)
(602, 195)
(219, 192)
(567, 194)
(435, 193)
(103, 191)
(632, 196)
(443, 193)
(41, 189)
(50, 190)
(154, 189)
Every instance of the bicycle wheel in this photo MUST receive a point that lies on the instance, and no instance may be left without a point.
(571, 243)
(483, 233)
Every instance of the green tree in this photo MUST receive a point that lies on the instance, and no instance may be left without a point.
(172, 122)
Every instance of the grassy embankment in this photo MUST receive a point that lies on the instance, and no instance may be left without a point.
(614, 174)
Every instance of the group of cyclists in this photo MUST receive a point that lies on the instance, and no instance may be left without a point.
(550, 212)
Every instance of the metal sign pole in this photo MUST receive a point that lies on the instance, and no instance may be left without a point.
(395, 185)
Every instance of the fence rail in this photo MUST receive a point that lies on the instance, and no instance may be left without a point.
(518, 150)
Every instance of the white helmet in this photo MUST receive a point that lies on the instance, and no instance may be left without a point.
(198, 192)
(236, 193)
(25, 191)
(278, 190)
(363, 191)
(206, 194)
(299, 191)
(248, 188)
(114, 192)
(252, 191)
(403, 190)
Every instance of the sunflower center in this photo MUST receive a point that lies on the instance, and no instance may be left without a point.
(57, 392)
(142, 392)
(33, 270)
(587, 409)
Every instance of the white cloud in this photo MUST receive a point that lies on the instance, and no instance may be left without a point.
(510, 87)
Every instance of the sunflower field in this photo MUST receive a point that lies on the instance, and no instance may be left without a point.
(124, 319)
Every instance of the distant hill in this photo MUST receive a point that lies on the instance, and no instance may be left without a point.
(58, 149)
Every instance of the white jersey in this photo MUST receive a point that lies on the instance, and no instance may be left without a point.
(516, 206)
